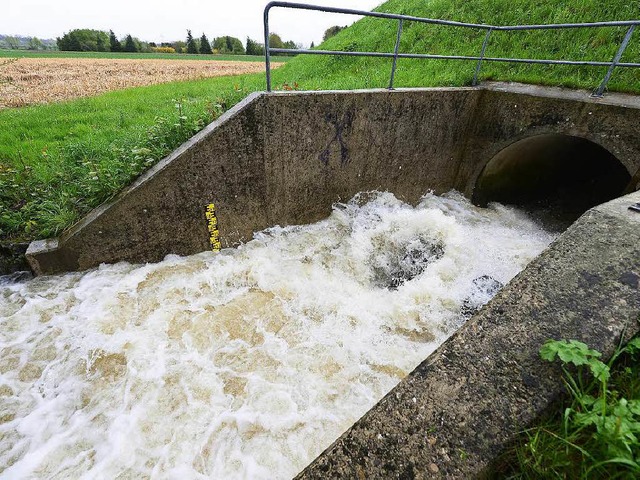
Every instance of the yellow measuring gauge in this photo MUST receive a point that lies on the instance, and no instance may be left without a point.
(212, 227)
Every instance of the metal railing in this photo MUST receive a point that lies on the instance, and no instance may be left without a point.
(395, 55)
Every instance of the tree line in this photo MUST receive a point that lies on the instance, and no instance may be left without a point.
(89, 40)
(15, 42)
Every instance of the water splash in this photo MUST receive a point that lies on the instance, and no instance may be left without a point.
(249, 362)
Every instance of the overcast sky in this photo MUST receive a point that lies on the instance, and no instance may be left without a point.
(166, 20)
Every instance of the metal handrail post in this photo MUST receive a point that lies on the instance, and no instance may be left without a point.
(615, 61)
(479, 64)
(267, 56)
(395, 55)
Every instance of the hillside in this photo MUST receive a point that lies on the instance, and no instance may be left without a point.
(313, 72)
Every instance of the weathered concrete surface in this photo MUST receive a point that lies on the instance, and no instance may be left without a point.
(274, 159)
(285, 158)
(459, 408)
(324, 148)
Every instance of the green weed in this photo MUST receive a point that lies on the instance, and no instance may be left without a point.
(597, 433)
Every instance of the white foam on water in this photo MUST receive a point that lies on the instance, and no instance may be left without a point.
(245, 363)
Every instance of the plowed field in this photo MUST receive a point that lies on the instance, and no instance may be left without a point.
(29, 81)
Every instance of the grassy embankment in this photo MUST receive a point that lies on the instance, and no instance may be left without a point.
(59, 161)
(133, 56)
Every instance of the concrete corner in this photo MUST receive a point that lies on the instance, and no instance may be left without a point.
(45, 257)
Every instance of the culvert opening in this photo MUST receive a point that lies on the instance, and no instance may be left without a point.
(555, 177)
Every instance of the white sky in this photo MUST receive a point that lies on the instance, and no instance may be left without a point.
(166, 20)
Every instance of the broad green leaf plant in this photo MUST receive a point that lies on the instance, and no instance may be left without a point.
(600, 425)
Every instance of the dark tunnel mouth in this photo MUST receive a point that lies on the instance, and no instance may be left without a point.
(555, 177)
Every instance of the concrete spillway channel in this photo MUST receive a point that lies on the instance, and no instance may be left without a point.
(286, 158)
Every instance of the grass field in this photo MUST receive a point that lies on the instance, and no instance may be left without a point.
(58, 161)
(38, 143)
(148, 56)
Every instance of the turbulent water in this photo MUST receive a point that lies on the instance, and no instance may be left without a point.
(249, 362)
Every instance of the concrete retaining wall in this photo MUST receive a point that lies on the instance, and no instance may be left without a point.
(286, 158)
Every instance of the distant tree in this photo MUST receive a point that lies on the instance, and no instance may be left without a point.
(237, 48)
(50, 44)
(275, 41)
(205, 46)
(75, 44)
(143, 47)
(100, 44)
(62, 43)
(130, 45)
(191, 44)
(69, 42)
(291, 45)
(228, 44)
(254, 48)
(312, 46)
(114, 43)
(220, 44)
(152, 45)
(35, 44)
(179, 46)
(12, 42)
(332, 31)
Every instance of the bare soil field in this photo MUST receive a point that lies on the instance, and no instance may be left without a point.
(29, 81)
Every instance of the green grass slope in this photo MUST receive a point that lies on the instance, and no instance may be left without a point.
(59, 161)
(370, 34)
